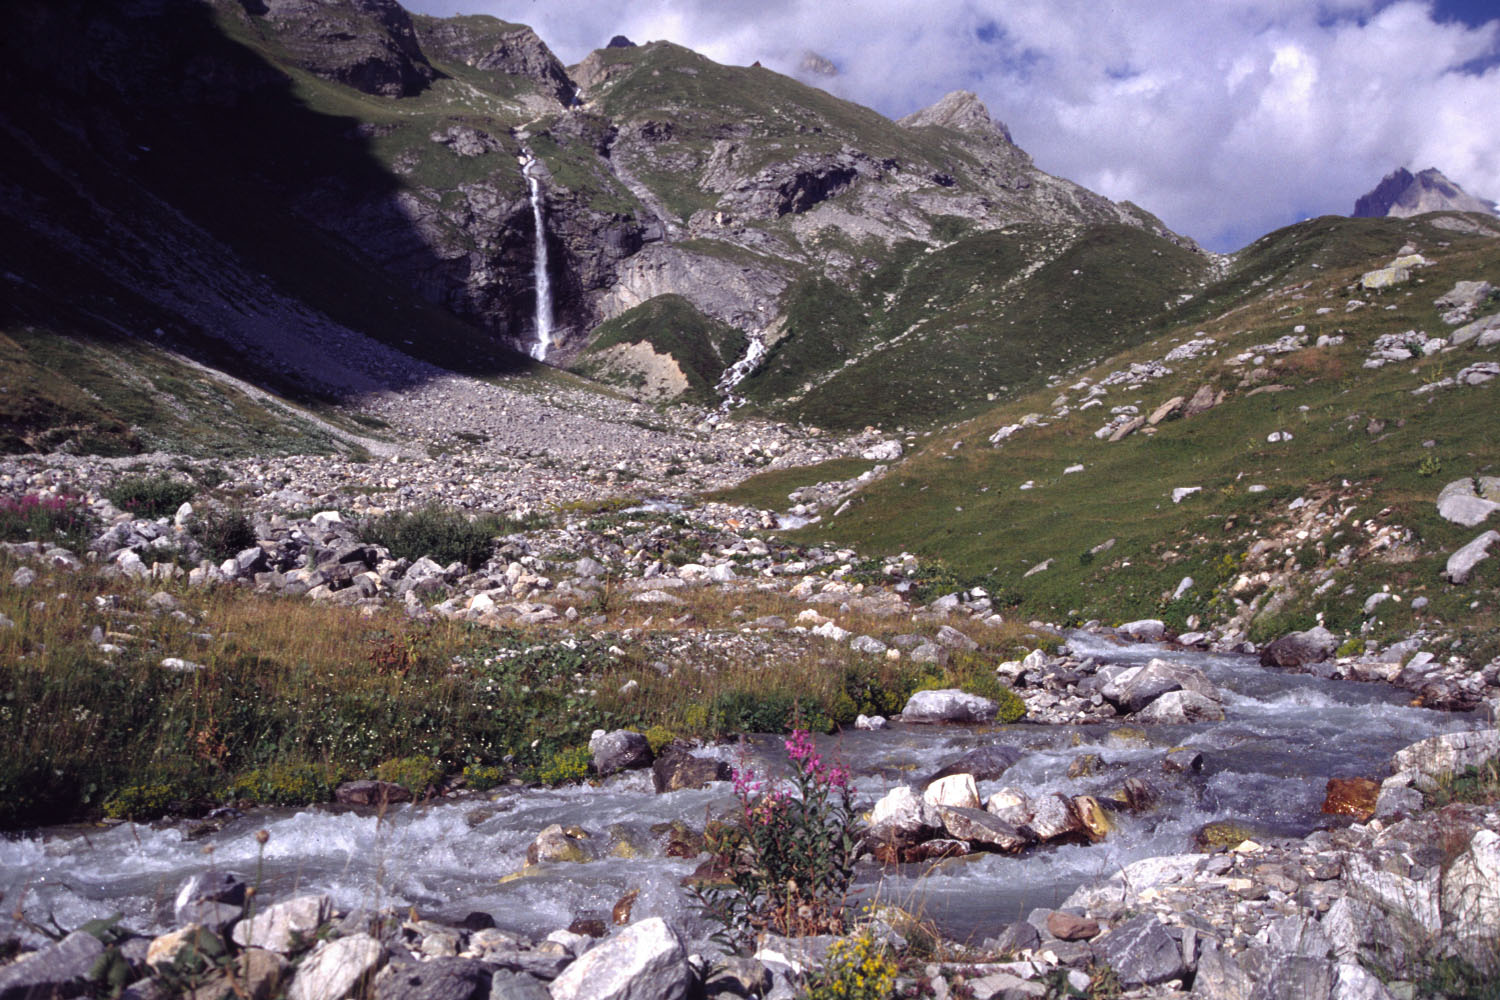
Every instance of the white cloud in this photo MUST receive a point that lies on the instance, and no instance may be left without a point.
(1227, 118)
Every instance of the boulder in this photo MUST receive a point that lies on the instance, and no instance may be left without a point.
(58, 969)
(982, 829)
(1135, 688)
(434, 979)
(554, 844)
(1180, 707)
(677, 769)
(902, 818)
(952, 638)
(1471, 901)
(1145, 630)
(211, 888)
(1462, 504)
(620, 750)
(1428, 760)
(508, 985)
(952, 790)
(948, 705)
(1070, 927)
(985, 763)
(1298, 649)
(281, 927)
(1461, 563)
(1052, 816)
(1141, 952)
(645, 961)
(369, 792)
(1476, 330)
(335, 967)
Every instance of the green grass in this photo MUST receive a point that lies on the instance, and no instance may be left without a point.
(964, 508)
(768, 490)
(701, 347)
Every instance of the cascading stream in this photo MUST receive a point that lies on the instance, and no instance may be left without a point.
(543, 341)
(1267, 763)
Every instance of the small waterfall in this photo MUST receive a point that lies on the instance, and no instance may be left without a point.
(539, 262)
(739, 371)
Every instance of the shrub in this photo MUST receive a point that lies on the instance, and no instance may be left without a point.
(140, 801)
(789, 856)
(482, 777)
(416, 773)
(223, 532)
(658, 737)
(571, 764)
(740, 711)
(858, 968)
(150, 496)
(288, 784)
(61, 520)
(444, 536)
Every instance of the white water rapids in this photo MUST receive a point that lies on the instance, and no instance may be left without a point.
(543, 342)
(1267, 763)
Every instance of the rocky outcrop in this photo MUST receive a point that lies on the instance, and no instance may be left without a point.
(1402, 194)
(724, 288)
(963, 111)
(486, 43)
(370, 45)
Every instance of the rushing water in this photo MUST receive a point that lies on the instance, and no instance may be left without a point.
(1284, 736)
(543, 341)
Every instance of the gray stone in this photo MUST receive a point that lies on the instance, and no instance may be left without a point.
(1295, 976)
(55, 970)
(1144, 630)
(1461, 563)
(333, 968)
(948, 705)
(1298, 935)
(1134, 688)
(1179, 707)
(982, 829)
(678, 769)
(207, 887)
(1461, 503)
(1475, 330)
(437, 979)
(984, 763)
(1300, 648)
(587, 567)
(1352, 982)
(507, 985)
(23, 577)
(645, 961)
(620, 750)
(1219, 975)
(1141, 952)
(952, 638)
(929, 652)
(868, 645)
(1471, 901)
(280, 927)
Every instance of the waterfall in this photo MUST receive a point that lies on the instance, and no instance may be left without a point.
(539, 262)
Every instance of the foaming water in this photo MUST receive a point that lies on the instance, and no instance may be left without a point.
(1266, 764)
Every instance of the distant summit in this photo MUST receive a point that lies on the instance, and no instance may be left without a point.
(1403, 194)
(961, 110)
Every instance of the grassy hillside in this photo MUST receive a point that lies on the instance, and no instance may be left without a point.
(694, 347)
(1367, 452)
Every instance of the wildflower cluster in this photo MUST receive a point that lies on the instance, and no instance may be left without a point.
(789, 860)
(55, 519)
(858, 968)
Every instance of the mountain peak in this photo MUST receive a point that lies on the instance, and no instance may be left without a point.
(961, 110)
(1401, 194)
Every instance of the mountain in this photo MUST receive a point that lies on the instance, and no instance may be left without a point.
(318, 197)
(1401, 194)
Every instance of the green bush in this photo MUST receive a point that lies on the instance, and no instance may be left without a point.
(140, 801)
(568, 765)
(482, 777)
(287, 784)
(658, 737)
(60, 520)
(223, 532)
(416, 773)
(444, 536)
(150, 496)
(858, 968)
(740, 711)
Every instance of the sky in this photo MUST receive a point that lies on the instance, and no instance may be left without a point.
(1225, 118)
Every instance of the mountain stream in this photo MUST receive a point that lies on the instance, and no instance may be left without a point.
(1267, 763)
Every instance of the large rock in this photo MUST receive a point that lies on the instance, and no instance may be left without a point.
(645, 961)
(1471, 901)
(1141, 952)
(948, 705)
(620, 750)
(1135, 688)
(1461, 503)
(677, 769)
(1180, 707)
(982, 829)
(554, 845)
(284, 926)
(334, 967)
(1427, 761)
(899, 820)
(984, 763)
(434, 979)
(1052, 816)
(1145, 630)
(1461, 563)
(1298, 649)
(953, 790)
(57, 970)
